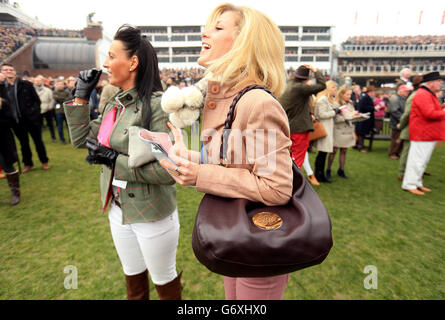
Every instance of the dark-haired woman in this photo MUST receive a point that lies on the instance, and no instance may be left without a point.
(143, 214)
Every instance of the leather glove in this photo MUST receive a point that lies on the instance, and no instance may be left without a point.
(100, 154)
(86, 82)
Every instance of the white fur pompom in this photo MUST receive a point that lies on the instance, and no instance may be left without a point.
(188, 115)
(192, 97)
(175, 120)
(172, 99)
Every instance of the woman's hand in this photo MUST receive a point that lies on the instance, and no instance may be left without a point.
(85, 83)
(179, 148)
(188, 171)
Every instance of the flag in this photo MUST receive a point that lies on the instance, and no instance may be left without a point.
(443, 17)
(356, 15)
(420, 16)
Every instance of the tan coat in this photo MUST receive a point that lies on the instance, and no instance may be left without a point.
(344, 136)
(325, 113)
(258, 176)
(46, 98)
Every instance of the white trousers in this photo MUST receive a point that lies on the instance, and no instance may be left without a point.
(307, 165)
(150, 245)
(418, 157)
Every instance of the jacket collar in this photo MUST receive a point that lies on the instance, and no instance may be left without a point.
(127, 97)
(427, 89)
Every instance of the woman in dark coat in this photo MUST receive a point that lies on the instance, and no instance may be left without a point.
(366, 104)
(8, 150)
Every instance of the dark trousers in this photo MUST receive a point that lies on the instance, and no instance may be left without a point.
(360, 142)
(6, 166)
(396, 146)
(21, 130)
(49, 117)
(320, 163)
(60, 118)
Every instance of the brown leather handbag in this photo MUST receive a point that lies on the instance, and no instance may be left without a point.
(241, 238)
(319, 131)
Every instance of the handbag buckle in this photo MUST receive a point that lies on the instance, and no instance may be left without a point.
(267, 220)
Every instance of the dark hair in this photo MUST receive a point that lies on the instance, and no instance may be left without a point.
(6, 65)
(147, 78)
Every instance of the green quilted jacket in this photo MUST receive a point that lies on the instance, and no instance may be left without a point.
(150, 194)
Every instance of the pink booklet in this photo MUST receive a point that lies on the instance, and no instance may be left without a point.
(160, 145)
(158, 138)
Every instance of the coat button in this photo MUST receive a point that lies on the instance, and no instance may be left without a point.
(131, 195)
(211, 104)
(125, 131)
(214, 89)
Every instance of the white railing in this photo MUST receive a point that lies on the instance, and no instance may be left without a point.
(393, 47)
(390, 68)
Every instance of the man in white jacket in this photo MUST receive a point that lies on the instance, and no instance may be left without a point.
(47, 105)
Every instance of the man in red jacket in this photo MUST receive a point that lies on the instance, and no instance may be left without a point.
(426, 127)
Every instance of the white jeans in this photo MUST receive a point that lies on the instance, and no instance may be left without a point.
(307, 165)
(418, 157)
(150, 245)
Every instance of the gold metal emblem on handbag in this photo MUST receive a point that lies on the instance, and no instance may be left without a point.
(267, 220)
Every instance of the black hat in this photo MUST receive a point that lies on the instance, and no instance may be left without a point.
(302, 73)
(432, 76)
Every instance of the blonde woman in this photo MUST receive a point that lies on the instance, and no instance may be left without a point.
(242, 46)
(325, 112)
(344, 137)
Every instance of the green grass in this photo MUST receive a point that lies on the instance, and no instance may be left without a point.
(59, 223)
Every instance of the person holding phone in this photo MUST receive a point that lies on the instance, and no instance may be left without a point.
(240, 47)
(143, 212)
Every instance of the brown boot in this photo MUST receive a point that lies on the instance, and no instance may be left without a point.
(13, 182)
(313, 180)
(137, 286)
(26, 169)
(171, 290)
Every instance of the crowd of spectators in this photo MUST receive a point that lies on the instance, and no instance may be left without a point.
(14, 37)
(395, 40)
(174, 76)
(51, 32)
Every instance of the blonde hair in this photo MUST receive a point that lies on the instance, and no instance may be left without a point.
(325, 93)
(257, 54)
(340, 93)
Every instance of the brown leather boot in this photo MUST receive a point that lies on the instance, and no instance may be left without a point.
(171, 290)
(313, 180)
(137, 286)
(13, 182)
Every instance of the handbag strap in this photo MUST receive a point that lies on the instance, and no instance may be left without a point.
(231, 118)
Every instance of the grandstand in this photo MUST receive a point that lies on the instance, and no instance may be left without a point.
(381, 59)
(179, 46)
(34, 48)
